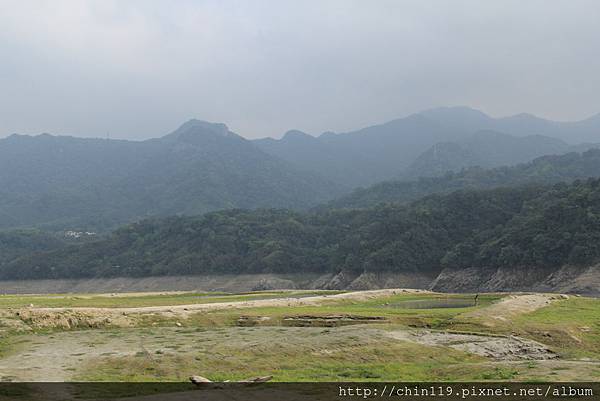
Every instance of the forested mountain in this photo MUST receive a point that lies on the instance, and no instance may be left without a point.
(386, 151)
(65, 182)
(529, 227)
(57, 182)
(484, 149)
(18, 243)
(543, 170)
(361, 157)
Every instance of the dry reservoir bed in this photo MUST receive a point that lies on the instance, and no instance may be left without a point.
(373, 335)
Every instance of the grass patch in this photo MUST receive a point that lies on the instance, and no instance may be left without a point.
(571, 326)
(383, 306)
(339, 354)
(133, 300)
(11, 343)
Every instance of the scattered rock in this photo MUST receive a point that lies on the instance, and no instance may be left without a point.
(246, 321)
(199, 380)
(202, 381)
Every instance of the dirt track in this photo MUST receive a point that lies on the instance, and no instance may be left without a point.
(503, 310)
(73, 317)
(514, 305)
(275, 302)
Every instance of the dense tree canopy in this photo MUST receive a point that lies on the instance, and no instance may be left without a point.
(17, 243)
(530, 226)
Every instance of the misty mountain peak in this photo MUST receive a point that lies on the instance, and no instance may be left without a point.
(455, 112)
(20, 138)
(195, 127)
(296, 135)
(524, 117)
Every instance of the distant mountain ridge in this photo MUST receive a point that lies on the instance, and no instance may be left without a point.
(485, 149)
(387, 151)
(360, 157)
(65, 182)
(471, 120)
(543, 170)
(59, 182)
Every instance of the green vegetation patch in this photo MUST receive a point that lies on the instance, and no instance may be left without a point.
(386, 307)
(572, 326)
(133, 300)
(290, 354)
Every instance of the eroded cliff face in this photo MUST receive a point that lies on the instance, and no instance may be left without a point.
(583, 280)
(475, 279)
(579, 280)
(568, 279)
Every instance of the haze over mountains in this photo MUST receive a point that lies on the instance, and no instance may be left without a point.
(61, 183)
(66, 182)
(467, 119)
(485, 149)
(543, 170)
(296, 210)
(387, 151)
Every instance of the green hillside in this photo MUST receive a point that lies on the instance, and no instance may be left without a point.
(59, 183)
(543, 170)
(531, 226)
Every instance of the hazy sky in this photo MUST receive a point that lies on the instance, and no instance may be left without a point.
(138, 69)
